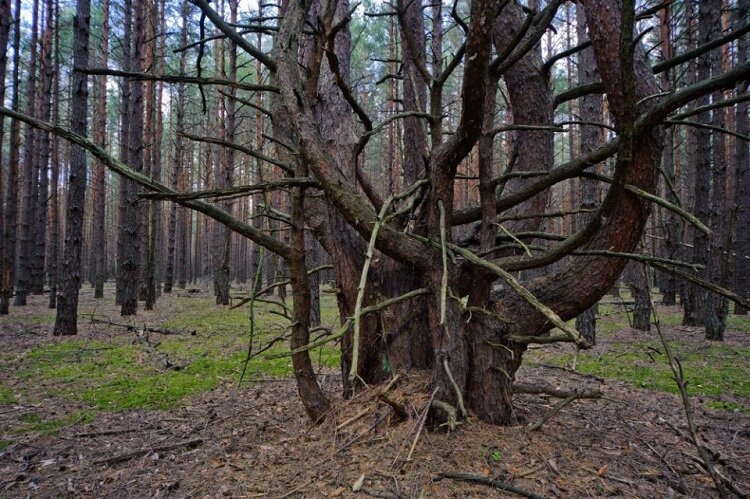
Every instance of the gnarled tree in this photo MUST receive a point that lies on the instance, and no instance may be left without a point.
(415, 291)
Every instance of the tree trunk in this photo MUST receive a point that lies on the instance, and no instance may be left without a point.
(54, 235)
(7, 277)
(174, 232)
(148, 230)
(5, 23)
(635, 278)
(66, 322)
(131, 228)
(414, 88)
(225, 172)
(46, 72)
(715, 307)
(671, 222)
(28, 216)
(591, 111)
(741, 261)
(98, 232)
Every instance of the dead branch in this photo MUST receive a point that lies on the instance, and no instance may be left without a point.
(398, 408)
(190, 444)
(420, 425)
(132, 327)
(468, 477)
(178, 79)
(555, 409)
(537, 389)
(452, 421)
(682, 383)
(233, 191)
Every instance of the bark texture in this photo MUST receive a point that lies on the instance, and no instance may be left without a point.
(66, 321)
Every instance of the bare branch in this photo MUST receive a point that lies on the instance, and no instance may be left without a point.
(232, 34)
(178, 79)
(273, 244)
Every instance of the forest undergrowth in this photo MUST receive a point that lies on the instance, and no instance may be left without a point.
(188, 354)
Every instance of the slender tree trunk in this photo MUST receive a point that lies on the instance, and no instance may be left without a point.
(66, 322)
(225, 173)
(124, 239)
(98, 232)
(46, 77)
(149, 229)
(129, 263)
(5, 24)
(54, 236)
(7, 279)
(672, 223)
(156, 258)
(635, 278)
(715, 307)
(741, 261)
(29, 175)
(175, 249)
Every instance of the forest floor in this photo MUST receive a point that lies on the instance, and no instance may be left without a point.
(116, 413)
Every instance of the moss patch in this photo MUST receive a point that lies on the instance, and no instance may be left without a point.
(120, 374)
(712, 371)
(6, 396)
(32, 422)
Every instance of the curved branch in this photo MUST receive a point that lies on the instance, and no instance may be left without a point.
(272, 244)
(232, 34)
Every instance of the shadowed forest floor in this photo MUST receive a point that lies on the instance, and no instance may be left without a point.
(114, 413)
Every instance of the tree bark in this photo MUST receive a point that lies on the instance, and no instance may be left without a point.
(98, 233)
(46, 73)
(66, 321)
(5, 24)
(591, 111)
(7, 277)
(636, 280)
(414, 87)
(715, 307)
(54, 235)
(131, 223)
(742, 174)
(30, 177)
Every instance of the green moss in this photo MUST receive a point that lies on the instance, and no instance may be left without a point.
(32, 422)
(739, 323)
(4, 444)
(728, 406)
(121, 375)
(149, 392)
(23, 323)
(6, 396)
(714, 370)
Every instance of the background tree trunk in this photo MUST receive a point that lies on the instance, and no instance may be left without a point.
(742, 173)
(29, 175)
(7, 279)
(591, 111)
(98, 233)
(5, 24)
(66, 321)
(46, 73)
(54, 235)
